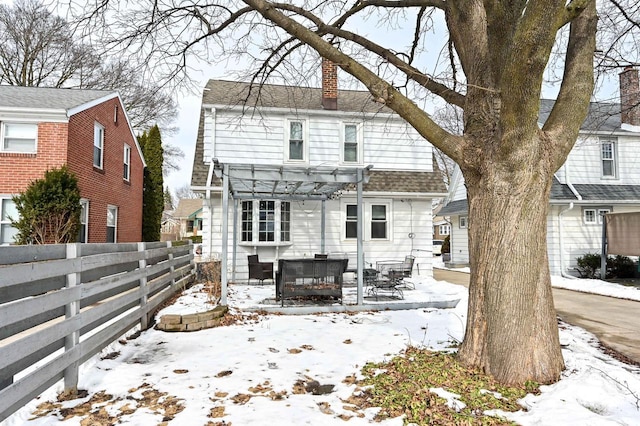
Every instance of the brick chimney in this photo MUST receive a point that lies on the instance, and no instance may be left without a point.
(630, 96)
(330, 85)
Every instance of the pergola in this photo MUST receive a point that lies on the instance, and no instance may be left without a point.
(287, 182)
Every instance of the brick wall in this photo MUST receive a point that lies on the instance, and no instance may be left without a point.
(329, 85)
(106, 186)
(17, 171)
(630, 96)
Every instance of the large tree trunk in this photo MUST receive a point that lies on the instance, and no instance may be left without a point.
(512, 330)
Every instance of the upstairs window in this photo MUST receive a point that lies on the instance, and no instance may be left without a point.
(18, 137)
(126, 174)
(351, 151)
(608, 157)
(296, 146)
(463, 222)
(98, 145)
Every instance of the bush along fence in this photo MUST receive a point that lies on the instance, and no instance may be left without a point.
(62, 304)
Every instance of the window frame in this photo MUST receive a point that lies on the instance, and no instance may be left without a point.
(444, 229)
(115, 225)
(358, 142)
(98, 129)
(463, 222)
(304, 141)
(368, 220)
(252, 219)
(3, 131)
(126, 172)
(373, 221)
(84, 221)
(613, 160)
(598, 212)
(5, 223)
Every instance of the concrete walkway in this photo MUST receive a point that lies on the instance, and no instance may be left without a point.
(616, 322)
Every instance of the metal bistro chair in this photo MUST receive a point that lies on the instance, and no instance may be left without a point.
(259, 270)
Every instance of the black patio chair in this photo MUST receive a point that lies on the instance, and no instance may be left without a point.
(259, 270)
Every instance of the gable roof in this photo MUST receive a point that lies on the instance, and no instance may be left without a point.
(240, 94)
(187, 207)
(70, 100)
(601, 116)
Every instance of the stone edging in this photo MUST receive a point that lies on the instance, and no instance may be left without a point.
(192, 322)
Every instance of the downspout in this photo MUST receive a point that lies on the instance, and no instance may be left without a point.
(209, 179)
(560, 227)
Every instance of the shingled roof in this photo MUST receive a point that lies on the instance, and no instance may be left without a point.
(229, 93)
(601, 116)
(48, 98)
(234, 93)
(562, 193)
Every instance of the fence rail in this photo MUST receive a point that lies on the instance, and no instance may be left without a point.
(67, 302)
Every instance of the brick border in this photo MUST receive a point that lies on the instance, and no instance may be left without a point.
(192, 322)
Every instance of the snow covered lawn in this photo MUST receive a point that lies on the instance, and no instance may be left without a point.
(251, 373)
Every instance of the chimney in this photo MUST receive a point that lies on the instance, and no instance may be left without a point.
(630, 96)
(330, 85)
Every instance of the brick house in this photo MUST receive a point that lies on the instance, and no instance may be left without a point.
(88, 130)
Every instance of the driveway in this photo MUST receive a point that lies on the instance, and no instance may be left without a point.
(614, 321)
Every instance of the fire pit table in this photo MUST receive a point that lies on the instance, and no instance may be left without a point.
(309, 279)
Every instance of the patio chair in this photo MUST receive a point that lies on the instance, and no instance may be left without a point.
(259, 270)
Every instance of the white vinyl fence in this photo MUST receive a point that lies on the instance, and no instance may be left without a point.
(62, 304)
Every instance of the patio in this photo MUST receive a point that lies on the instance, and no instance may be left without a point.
(263, 298)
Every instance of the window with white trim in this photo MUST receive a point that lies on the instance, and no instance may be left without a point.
(98, 145)
(594, 215)
(608, 158)
(262, 215)
(83, 235)
(444, 229)
(126, 174)
(463, 222)
(351, 224)
(18, 137)
(8, 211)
(350, 144)
(377, 220)
(296, 147)
(112, 224)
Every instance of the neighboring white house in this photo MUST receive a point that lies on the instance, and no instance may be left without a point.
(601, 175)
(299, 152)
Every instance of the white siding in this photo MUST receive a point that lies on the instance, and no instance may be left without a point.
(387, 144)
(459, 242)
(584, 166)
(407, 216)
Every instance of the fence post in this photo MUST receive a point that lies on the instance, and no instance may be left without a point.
(172, 268)
(72, 309)
(142, 265)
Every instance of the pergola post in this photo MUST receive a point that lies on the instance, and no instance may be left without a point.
(323, 226)
(225, 234)
(360, 235)
(235, 240)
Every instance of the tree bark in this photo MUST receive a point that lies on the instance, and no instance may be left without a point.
(512, 331)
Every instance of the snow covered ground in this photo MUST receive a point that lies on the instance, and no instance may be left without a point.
(246, 374)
